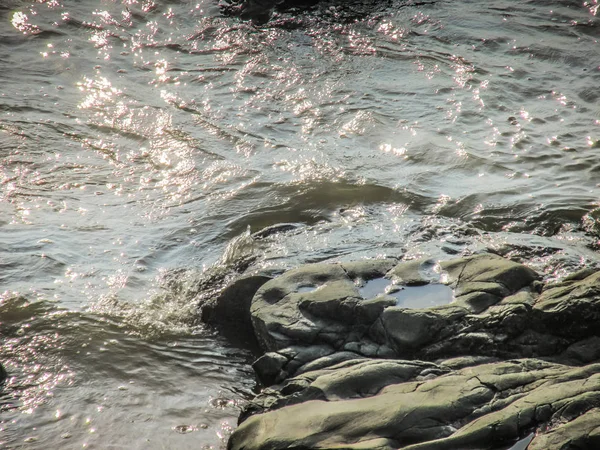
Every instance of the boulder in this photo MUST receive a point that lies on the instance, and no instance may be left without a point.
(317, 304)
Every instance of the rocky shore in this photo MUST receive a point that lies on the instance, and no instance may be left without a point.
(470, 353)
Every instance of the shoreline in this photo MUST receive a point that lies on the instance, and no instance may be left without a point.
(509, 362)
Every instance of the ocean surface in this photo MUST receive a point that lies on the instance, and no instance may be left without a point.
(143, 142)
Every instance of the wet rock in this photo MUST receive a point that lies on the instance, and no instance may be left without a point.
(3, 374)
(481, 281)
(342, 11)
(571, 308)
(274, 229)
(316, 303)
(508, 359)
(229, 311)
(260, 11)
(414, 273)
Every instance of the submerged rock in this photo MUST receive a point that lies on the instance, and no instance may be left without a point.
(342, 11)
(348, 367)
(260, 11)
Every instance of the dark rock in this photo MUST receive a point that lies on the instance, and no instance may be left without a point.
(583, 352)
(274, 229)
(269, 368)
(3, 374)
(229, 311)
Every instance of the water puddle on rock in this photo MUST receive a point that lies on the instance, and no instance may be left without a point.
(425, 296)
(307, 288)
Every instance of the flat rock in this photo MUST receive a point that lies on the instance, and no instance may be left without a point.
(414, 405)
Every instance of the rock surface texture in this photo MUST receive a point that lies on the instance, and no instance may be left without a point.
(504, 362)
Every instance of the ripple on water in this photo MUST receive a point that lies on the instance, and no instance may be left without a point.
(85, 380)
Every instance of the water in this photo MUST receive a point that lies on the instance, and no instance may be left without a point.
(425, 296)
(140, 139)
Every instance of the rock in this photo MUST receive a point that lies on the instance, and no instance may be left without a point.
(274, 229)
(329, 360)
(583, 432)
(3, 374)
(414, 273)
(260, 11)
(317, 303)
(481, 281)
(571, 308)
(584, 351)
(269, 368)
(415, 405)
(368, 269)
(406, 329)
(508, 359)
(229, 311)
(321, 304)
